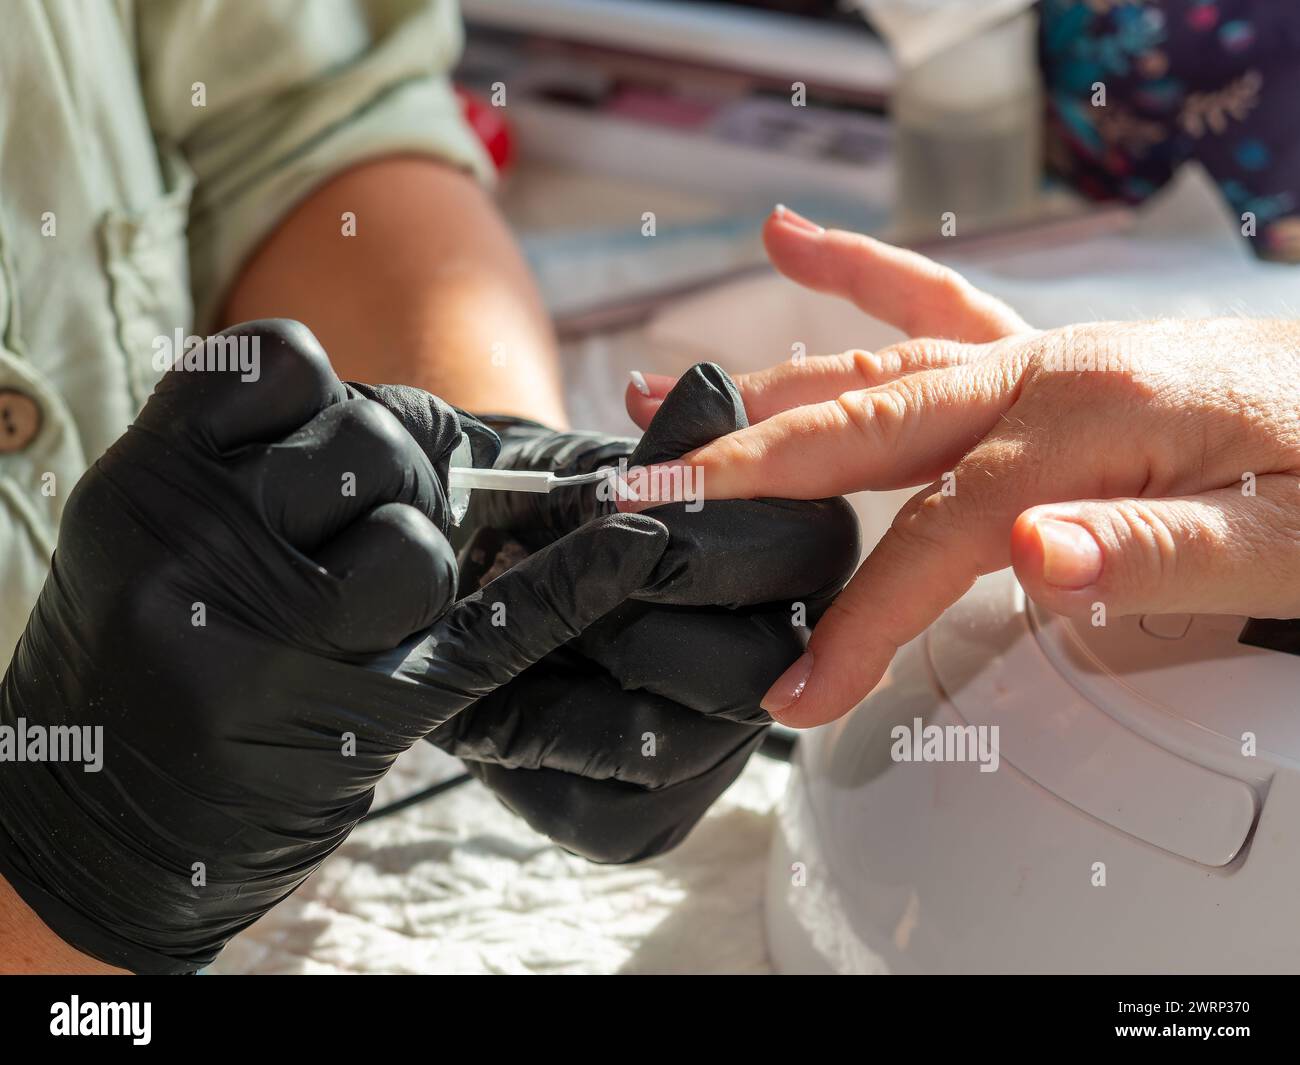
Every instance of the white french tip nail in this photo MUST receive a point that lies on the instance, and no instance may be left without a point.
(779, 210)
(639, 382)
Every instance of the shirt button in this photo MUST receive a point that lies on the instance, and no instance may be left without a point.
(20, 420)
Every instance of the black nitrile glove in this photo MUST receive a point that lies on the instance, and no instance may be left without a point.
(242, 598)
(617, 744)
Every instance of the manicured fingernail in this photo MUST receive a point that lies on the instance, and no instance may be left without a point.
(1071, 557)
(639, 382)
(789, 686)
(794, 218)
(666, 482)
(624, 491)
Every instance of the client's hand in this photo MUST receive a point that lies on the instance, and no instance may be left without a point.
(616, 744)
(252, 601)
(1149, 467)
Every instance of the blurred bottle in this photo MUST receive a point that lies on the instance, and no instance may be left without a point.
(968, 123)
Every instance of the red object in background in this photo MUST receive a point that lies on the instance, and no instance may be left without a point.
(489, 123)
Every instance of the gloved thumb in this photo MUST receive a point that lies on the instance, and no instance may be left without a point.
(433, 424)
(493, 635)
(704, 405)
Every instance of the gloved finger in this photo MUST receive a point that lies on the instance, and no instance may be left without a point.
(574, 717)
(1221, 552)
(251, 383)
(525, 614)
(394, 575)
(904, 288)
(346, 461)
(435, 426)
(757, 551)
(810, 380)
(609, 821)
(719, 663)
(702, 406)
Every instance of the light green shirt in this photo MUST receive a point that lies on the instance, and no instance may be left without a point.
(146, 148)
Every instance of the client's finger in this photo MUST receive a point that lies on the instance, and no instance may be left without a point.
(905, 289)
(809, 380)
(1220, 552)
(945, 537)
(903, 433)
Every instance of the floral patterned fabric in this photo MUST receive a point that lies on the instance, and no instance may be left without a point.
(1217, 81)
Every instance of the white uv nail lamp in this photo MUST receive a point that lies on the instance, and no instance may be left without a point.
(1144, 815)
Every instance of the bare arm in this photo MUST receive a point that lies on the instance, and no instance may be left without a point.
(27, 946)
(431, 291)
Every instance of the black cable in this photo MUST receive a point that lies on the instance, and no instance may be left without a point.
(424, 793)
(779, 744)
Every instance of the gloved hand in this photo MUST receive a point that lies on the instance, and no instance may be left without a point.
(617, 744)
(241, 598)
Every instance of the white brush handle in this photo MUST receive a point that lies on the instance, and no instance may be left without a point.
(516, 480)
